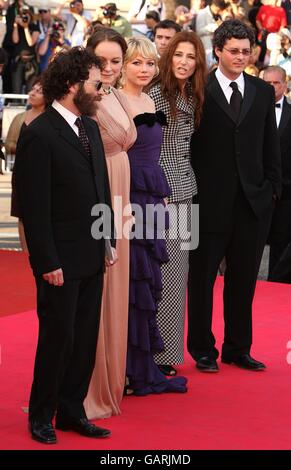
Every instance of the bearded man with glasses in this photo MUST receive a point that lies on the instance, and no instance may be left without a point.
(236, 160)
(61, 174)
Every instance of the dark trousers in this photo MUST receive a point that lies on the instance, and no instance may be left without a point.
(242, 245)
(280, 238)
(65, 357)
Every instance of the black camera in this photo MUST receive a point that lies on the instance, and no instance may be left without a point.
(109, 12)
(56, 28)
(25, 18)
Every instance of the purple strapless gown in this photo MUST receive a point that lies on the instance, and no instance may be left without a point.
(148, 187)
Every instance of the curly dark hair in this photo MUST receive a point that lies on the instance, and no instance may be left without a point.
(66, 69)
(232, 29)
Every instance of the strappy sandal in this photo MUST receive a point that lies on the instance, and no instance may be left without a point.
(167, 370)
(127, 391)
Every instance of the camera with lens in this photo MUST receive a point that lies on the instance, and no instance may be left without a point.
(24, 14)
(109, 11)
(56, 28)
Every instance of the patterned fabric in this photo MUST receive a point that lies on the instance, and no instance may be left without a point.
(175, 153)
(83, 136)
(171, 309)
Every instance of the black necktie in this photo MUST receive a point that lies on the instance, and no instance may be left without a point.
(83, 136)
(235, 99)
(278, 105)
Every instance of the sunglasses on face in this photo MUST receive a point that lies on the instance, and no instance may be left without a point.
(97, 84)
(42, 11)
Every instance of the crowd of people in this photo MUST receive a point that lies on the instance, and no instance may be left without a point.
(33, 36)
(124, 137)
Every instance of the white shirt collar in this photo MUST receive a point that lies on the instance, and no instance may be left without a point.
(67, 115)
(225, 81)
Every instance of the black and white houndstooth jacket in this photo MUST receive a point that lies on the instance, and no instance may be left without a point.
(175, 152)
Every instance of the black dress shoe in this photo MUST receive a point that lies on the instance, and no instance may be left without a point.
(245, 362)
(207, 364)
(82, 426)
(42, 432)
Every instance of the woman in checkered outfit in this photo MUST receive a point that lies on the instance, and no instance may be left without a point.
(179, 93)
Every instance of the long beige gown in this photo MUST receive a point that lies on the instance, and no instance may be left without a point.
(107, 383)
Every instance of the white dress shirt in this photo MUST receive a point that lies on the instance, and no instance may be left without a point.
(279, 111)
(224, 83)
(67, 115)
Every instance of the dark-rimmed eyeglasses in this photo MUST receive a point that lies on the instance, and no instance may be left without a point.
(234, 51)
(42, 10)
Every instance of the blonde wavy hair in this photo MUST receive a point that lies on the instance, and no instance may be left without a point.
(143, 47)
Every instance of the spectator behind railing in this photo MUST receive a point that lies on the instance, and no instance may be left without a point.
(77, 21)
(24, 37)
(151, 20)
(163, 33)
(108, 16)
(137, 13)
(21, 121)
(44, 22)
(53, 42)
(8, 44)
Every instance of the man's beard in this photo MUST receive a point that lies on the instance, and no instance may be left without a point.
(86, 103)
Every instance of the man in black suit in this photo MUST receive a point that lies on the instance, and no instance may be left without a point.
(61, 174)
(280, 234)
(235, 156)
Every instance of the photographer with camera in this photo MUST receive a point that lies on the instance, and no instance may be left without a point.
(44, 22)
(110, 18)
(24, 37)
(53, 42)
(77, 21)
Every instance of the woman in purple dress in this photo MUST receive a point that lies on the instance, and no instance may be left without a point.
(148, 192)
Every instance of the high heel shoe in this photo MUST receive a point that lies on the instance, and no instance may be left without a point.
(127, 391)
(167, 370)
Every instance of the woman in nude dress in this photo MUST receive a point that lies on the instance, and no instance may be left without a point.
(118, 134)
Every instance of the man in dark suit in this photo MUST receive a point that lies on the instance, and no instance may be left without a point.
(280, 234)
(235, 156)
(61, 174)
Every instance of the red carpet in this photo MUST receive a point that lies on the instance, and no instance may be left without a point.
(17, 291)
(234, 409)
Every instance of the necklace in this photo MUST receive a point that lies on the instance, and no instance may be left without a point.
(107, 91)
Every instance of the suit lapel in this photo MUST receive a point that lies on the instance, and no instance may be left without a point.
(285, 116)
(65, 131)
(217, 93)
(249, 96)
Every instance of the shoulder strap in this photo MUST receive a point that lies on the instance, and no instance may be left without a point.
(141, 7)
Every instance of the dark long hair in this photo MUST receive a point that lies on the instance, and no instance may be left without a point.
(168, 81)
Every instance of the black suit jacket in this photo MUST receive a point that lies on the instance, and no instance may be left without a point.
(226, 153)
(58, 184)
(285, 145)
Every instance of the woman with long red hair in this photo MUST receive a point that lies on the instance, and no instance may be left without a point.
(178, 91)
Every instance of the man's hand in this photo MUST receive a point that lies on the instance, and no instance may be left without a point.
(54, 278)
(111, 262)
